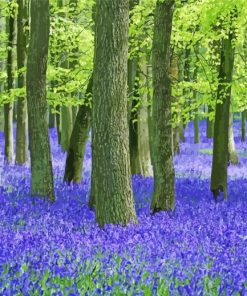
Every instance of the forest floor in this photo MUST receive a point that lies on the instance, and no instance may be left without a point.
(58, 249)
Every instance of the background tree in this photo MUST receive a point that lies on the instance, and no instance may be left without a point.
(21, 128)
(8, 107)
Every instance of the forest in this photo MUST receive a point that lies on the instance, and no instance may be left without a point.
(123, 150)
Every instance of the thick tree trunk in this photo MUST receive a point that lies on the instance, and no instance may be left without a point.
(175, 77)
(233, 157)
(243, 129)
(221, 126)
(78, 141)
(41, 165)
(164, 197)
(21, 129)
(110, 138)
(8, 107)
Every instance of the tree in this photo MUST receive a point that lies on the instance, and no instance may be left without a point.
(110, 136)
(21, 128)
(221, 125)
(232, 153)
(41, 165)
(78, 140)
(8, 107)
(164, 197)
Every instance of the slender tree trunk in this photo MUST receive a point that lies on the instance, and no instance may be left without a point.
(41, 164)
(210, 126)
(143, 131)
(233, 157)
(221, 126)
(8, 107)
(58, 123)
(1, 119)
(110, 138)
(243, 130)
(21, 130)
(66, 126)
(52, 119)
(196, 130)
(164, 197)
(78, 141)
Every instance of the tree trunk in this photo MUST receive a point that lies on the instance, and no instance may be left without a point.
(21, 129)
(233, 157)
(41, 164)
(143, 131)
(243, 130)
(1, 119)
(196, 118)
(78, 140)
(8, 107)
(52, 119)
(66, 126)
(164, 197)
(210, 125)
(110, 138)
(58, 123)
(196, 130)
(221, 125)
(174, 69)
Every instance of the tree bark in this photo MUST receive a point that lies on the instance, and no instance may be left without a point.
(233, 157)
(41, 164)
(66, 126)
(210, 125)
(21, 129)
(8, 107)
(143, 129)
(78, 140)
(164, 197)
(110, 137)
(221, 125)
(243, 129)
(52, 119)
(174, 69)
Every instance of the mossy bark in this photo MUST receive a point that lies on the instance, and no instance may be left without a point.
(110, 134)
(174, 70)
(41, 164)
(221, 126)
(78, 140)
(164, 196)
(21, 127)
